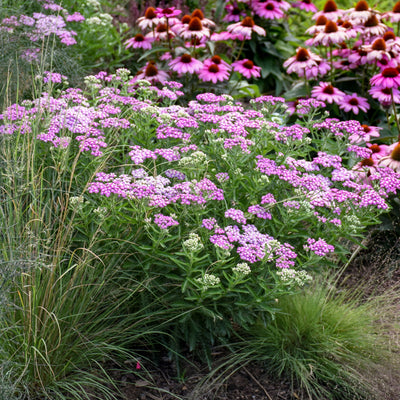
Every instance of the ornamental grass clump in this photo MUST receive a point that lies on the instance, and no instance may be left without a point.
(329, 342)
(213, 210)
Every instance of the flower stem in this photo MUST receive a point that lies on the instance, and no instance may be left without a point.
(395, 115)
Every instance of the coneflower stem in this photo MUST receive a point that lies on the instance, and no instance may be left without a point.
(331, 61)
(395, 115)
(240, 51)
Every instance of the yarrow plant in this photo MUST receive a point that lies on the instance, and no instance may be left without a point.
(212, 201)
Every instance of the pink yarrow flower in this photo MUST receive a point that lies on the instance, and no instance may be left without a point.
(247, 68)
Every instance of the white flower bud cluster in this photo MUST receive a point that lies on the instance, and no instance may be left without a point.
(289, 275)
(193, 244)
(195, 159)
(242, 269)
(101, 19)
(76, 203)
(208, 281)
(101, 212)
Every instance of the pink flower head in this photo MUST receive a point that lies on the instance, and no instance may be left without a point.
(247, 68)
(162, 32)
(354, 103)
(246, 28)
(233, 13)
(373, 27)
(169, 12)
(305, 5)
(365, 134)
(326, 92)
(268, 10)
(330, 11)
(214, 73)
(394, 15)
(194, 29)
(301, 62)
(360, 13)
(388, 78)
(378, 150)
(384, 95)
(149, 20)
(332, 34)
(197, 13)
(393, 159)
(152, 73)
(186, 64)
(139, 42)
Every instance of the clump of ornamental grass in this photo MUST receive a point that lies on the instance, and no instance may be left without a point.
(329, 342)
(63, 310)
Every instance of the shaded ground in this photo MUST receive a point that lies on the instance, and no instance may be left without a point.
(378, 264)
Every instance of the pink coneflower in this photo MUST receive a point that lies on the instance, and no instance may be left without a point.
(194, 29)
(169, 12)
(149, 20)
(151, 73)
(301, 62)
(186, 64)
(376, 51)
(385, 62)
(392, 42)
(388, 78)
(205, 21)
(360, 13)
(319, 25)
(327, 93)
(246, 28)
(320, 70)
(197, 43)
(162, 32)
(394, 15)
(234, 13)
(268, 10)
(354, 103)
(139, 42)
(365, 134)
(372, 27)
(217, 60)
(330, 11)
(384, 95)
(306, 5)
(358, 56)
(378, 151)
(247, 68)
(214, 73)
(393, 159)
(332, 34)
(282, 4)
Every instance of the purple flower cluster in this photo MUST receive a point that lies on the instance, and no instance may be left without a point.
(319, 247)
(164, 221)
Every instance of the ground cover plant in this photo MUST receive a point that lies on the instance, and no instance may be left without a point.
(136, 218)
